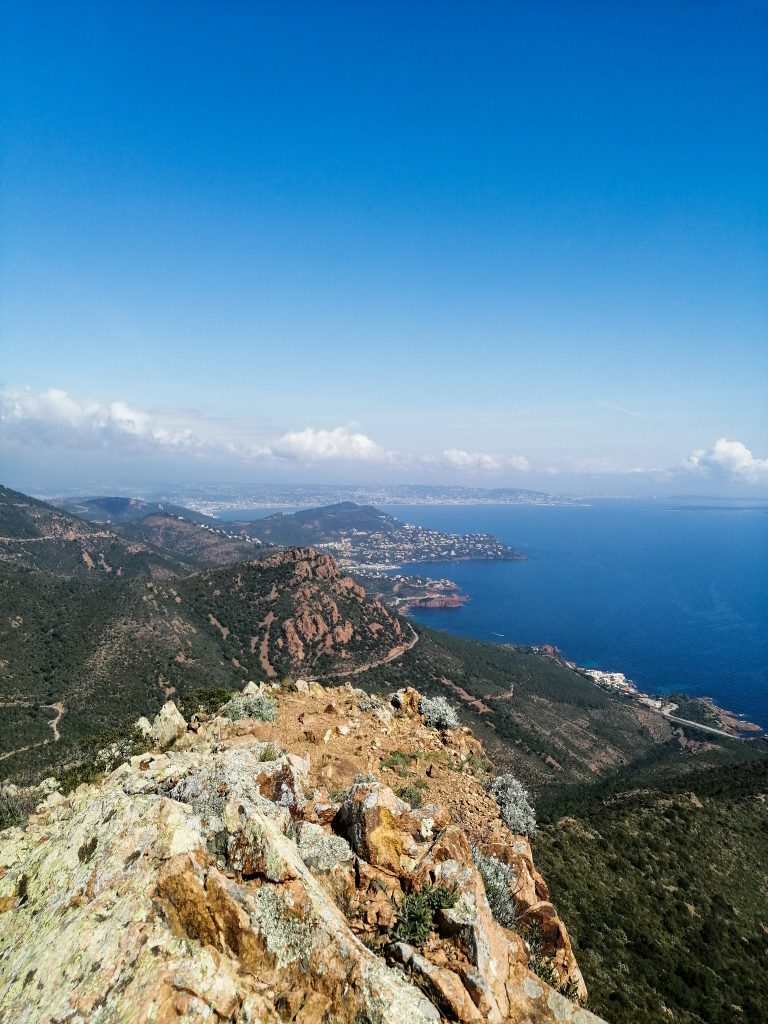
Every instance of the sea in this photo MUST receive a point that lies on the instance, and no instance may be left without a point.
(673, 595)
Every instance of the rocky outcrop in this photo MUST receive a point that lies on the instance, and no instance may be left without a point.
(219, 880)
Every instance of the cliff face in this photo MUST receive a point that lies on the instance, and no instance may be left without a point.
(255, 871)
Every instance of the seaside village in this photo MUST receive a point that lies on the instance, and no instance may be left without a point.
(616, 682)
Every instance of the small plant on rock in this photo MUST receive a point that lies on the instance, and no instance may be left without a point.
(539, 963)
(415, 912)
(414, 919)
(438, 713)
(258, 706)
(499, 882)
(441, 897)
(413, 792)
(514, 805)
(270, 752)
(399, 761)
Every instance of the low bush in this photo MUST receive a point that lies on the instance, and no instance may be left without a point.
(258, 706)
(499, 882)
(413, 792)
(206, 698)
(514, 805)
(415, 912)
(399, 761)
(438, 713)
(15, 808)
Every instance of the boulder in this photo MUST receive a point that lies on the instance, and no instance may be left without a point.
(321, 851)
(119, 911)
(443, 987)
(379, 826)
(168, 725)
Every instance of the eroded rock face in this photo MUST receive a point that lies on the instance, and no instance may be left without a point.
(210, 882)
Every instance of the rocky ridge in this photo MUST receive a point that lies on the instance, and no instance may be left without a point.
(250, 870)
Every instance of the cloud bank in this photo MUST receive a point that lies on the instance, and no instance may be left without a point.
(52, 419)
(729, 459)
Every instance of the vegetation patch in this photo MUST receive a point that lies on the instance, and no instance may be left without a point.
(416, 910)
(665, 894)
(207, 699)
(500, 886)
(438, 713)
(258, 706)
(413, 793)
(399, 761)
(514, 805)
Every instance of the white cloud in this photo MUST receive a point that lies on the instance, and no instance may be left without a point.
(55, 421)
(458, 458)
(310, 445)
(52, 419)
(728, 459)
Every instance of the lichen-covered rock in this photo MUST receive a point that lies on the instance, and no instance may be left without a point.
(217, 880)
(320, 850)
(168, 725)
(115, 910)
(379, 826)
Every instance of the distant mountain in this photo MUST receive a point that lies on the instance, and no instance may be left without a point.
(197, 539)
(356, 534)
(209, 542)
(35, 535)
(321, 525)
(115, 510)
(235, 496)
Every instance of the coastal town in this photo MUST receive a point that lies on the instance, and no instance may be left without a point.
(409, 543)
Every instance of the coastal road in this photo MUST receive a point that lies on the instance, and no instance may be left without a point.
(698, 725)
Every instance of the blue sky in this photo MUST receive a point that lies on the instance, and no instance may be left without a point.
(496, 243)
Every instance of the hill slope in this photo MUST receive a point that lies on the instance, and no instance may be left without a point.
(108, 648)
(206, 543)
(665, 891)
(35, 535)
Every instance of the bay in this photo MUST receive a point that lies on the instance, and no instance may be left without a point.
(676, 599)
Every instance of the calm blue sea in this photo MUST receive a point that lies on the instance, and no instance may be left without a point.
(674, 599)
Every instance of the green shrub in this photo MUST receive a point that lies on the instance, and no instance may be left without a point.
(414, 919)
(413, 792)
(539, 963)
(415, 912)
(206, 698)
(441, 897)
(400, 761)
(258, 706)
(16, 808)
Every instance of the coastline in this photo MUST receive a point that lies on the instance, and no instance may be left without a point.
(723, 721)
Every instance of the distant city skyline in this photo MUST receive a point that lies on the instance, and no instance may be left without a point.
(476, 243)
